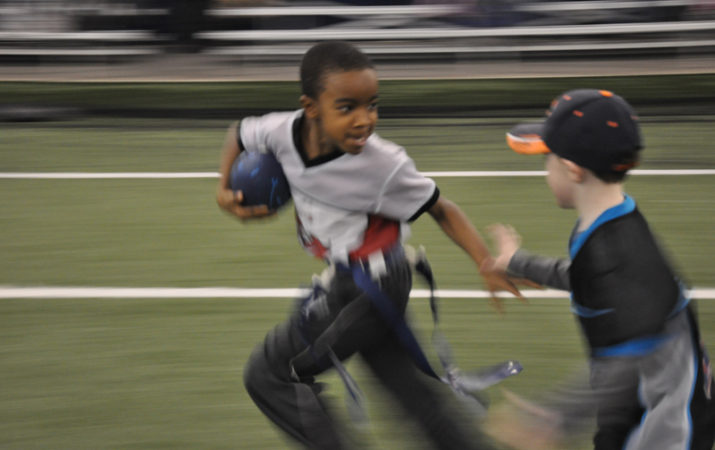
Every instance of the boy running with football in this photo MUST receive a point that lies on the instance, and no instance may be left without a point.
(354, 194)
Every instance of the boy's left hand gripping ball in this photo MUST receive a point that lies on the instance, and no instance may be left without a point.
(261, 179)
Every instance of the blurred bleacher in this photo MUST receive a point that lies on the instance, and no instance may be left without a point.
(54, 31)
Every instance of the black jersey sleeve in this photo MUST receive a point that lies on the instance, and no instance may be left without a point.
(547, 271)
(428, 204)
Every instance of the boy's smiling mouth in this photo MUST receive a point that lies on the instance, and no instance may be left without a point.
(359, 140)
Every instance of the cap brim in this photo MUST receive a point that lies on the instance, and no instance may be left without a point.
(526, 138)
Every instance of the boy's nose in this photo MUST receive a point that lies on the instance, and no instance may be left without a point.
(362, 117)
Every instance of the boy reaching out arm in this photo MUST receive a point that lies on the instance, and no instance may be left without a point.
(520, 264)
(457, 226)
(650, 377)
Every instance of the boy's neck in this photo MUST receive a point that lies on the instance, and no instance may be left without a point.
(313, 143)
(595, 197)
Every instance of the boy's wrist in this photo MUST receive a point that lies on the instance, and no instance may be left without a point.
(515, 262)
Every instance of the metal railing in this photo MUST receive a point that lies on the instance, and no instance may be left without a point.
(412, 31)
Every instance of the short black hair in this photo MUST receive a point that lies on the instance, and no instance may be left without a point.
(327, 57)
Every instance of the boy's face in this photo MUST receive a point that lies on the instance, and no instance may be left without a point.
(559, 181)
(346, 109)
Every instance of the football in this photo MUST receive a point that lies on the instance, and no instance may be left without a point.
(261, 179)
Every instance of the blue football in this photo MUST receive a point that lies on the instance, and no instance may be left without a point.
(261, 179)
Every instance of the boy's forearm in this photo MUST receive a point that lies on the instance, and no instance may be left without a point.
(229, 153)
(455, 224)
(547, 271)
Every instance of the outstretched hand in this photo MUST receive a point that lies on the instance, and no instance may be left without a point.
(230, 202)
(497, 280)
(494, 269)
(457, 226)
(507, 241)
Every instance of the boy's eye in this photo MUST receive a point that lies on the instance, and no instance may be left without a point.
(345, 108)
(372, 106)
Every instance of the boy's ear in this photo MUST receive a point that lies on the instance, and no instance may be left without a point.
(310, 106)
(575, 172)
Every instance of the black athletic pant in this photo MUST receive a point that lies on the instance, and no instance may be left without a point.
(346, 322)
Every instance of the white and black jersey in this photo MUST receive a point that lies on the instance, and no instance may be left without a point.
(347, 206)
(352, 210)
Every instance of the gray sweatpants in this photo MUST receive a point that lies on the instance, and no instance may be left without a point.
(676, 414)
(280, 373)
(662, 400)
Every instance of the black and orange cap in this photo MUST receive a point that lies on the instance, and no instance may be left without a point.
(596, 129)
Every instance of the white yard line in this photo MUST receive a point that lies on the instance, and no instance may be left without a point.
(104, 175)
(436, 174)
(63, 292)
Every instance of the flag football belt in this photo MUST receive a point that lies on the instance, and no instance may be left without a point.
(366, 274)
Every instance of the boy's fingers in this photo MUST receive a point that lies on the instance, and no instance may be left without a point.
(497, 283)
(260, 211)
(246, 212)
(514, 234)
(507, 286)
(224, 198)
(527, 282)
(253, 212)
(501, 232)
(496, 303)
(511, 287)
(496, 231)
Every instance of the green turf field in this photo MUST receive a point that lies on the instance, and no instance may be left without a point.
(166, 373)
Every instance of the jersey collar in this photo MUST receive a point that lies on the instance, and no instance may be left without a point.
(298, 143)
(578, 239)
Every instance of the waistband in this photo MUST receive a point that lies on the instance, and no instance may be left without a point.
(376, 262)
(646, 344)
